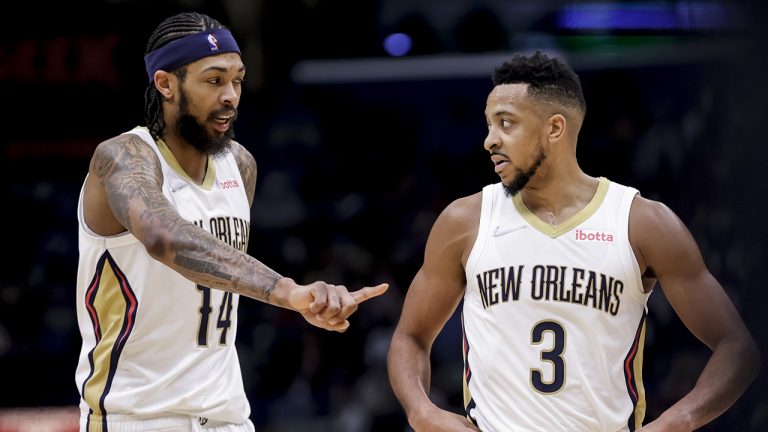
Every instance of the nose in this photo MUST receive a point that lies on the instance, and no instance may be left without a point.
(230, 94)
(492, 141)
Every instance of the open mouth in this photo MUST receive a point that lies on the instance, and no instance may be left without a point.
(499, 162)
(222, 123)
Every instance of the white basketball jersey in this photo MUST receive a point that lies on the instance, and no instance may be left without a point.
(155, 343)
(554, 318)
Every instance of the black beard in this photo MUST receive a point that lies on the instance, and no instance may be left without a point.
(191, 131)
(521, 179)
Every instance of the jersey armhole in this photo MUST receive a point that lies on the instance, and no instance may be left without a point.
(624, 212)
(486, 210)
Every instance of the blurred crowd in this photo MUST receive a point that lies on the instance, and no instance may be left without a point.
(351, 178)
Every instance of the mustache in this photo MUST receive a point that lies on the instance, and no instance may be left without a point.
(224, 112)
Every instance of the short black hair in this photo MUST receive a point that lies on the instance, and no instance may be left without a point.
(171, 29)
(548, 79)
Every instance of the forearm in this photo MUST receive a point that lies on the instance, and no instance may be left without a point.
(731, 368)
(409, 373)
(205, 260)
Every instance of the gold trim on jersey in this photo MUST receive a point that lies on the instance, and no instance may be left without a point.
(637, 366)
(112, 307)
(466, 375)
(210, 173)
(95, 424)
(469, 403)
(554, 231)
(633, 375)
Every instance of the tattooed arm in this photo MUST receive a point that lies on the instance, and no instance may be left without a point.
(123, 191)
(247, 165)
(125, 174)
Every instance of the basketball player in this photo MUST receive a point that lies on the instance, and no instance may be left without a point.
(554, 268)
(164, 224)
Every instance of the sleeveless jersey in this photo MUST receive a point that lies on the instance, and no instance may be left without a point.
(554, 318)
(155, 343)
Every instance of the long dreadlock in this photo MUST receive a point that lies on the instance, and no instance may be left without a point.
(169, 30)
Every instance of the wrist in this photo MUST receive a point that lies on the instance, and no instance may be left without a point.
(677, 421)
(420, 415)
(282, 290)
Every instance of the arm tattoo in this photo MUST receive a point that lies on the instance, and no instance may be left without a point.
(247, 165)
(132, 177)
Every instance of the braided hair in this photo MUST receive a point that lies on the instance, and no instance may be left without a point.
(171, 29)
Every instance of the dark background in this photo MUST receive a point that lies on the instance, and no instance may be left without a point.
(358, 153)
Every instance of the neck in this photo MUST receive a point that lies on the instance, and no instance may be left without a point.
(192, 161)
(556, 195)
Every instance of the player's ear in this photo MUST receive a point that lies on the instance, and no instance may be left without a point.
(164, 83)
(555, 127)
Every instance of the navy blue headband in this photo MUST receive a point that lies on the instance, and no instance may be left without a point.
(188, 49)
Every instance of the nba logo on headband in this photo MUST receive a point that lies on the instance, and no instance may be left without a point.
(213, 42)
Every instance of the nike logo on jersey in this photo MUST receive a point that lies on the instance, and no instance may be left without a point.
(178, 186)
(500, 230)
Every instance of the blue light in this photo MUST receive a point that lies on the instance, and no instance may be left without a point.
(397, 44)
(643, 16)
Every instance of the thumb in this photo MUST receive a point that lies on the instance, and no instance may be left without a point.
(366, 293)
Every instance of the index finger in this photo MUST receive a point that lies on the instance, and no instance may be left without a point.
(366, 293)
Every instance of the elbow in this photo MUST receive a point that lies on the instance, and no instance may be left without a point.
(747, 356)
(753, 358)
(158, 245)
(405, 343)
(395, 346)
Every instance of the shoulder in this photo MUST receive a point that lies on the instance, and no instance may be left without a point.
(123, 142)
(455, 229)
(658, 235)
(244, 158)
(127, 148)
(246, 163)
(463, 211)
(652, 216)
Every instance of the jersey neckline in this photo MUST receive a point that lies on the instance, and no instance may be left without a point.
(554, 231)
(210, 173)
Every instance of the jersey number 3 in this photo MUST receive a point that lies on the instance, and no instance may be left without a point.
(553, 355)
(222, 323)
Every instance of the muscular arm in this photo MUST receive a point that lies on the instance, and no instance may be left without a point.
(668, 251)
(247, 165)
(124, 187)
(432, 297)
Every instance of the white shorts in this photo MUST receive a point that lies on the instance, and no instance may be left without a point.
(124, 423)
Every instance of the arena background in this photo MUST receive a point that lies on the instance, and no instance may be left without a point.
(358, 152)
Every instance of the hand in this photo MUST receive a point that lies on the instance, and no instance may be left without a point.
(328, 306)
(439, 420)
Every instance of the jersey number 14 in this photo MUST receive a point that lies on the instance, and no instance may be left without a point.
(223, 322)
